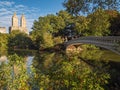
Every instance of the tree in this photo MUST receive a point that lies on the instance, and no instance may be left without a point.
(114, 18)
(56, 22)
(68, 29)
(47, 40)
(3, 41)
(67, 18)
(51, 26)
(41, 28)
(50, 23)
(81, 25)
(19, 40)
(75, 7)
(99, 23)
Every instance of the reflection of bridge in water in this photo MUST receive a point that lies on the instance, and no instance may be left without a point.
(109, 42)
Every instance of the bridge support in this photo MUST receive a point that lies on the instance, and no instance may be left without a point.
(73, 49)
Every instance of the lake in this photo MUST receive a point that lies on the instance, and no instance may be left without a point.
(88, 70)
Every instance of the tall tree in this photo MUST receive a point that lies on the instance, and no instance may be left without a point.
(81, 25)
(99, 23)
(46, 28)
(114, 18)
(68, 18)
(77, 6)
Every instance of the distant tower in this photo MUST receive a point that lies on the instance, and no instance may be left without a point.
(14, 20)
(23, 27)
(23, 21)
(15, 25)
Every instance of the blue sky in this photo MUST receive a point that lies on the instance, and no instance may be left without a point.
(31, 8)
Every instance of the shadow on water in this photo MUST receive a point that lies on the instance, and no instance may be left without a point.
(115, 75)
(109, 58)
(113, 70)
(23, 52)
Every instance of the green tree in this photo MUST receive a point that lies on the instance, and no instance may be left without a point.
(47, 40)
(48, 26)
(19, 40)
(40, 27)
(75, 7)
(99, 23)
(67, 18)
(81, 25)
(114, 18)
(42, 39)
(3, 41)
(56, 22)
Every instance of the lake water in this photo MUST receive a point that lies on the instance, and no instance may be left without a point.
(88, 70)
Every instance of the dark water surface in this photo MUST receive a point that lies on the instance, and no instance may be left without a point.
(30, 70)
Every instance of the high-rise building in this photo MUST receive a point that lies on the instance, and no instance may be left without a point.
(15, 20)
(15, 25)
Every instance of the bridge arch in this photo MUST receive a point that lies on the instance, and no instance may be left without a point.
(110, 43)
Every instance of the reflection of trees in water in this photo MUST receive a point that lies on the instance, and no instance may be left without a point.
(53, 71)
(4, 75)
(13, 74)
(91, 54)
(58, 72)
(3, 52)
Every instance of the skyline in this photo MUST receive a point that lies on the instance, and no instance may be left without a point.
(30, 8)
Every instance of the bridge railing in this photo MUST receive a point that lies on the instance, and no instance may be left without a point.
(103, 38)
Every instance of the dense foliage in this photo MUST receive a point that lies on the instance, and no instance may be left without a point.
(3, 41)
(15, 40)
(13, 75)
(75, 7)
(99, 23)
(114, 18)
(18, 40)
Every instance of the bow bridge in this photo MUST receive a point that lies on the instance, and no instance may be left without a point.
(109, 42)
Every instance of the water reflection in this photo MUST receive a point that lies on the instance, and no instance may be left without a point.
(59, 72)
(55, 71)
(3, 59)
(29, 62)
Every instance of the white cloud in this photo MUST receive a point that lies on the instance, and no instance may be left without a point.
(4, 12)
(6, 3)
(19, 6)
